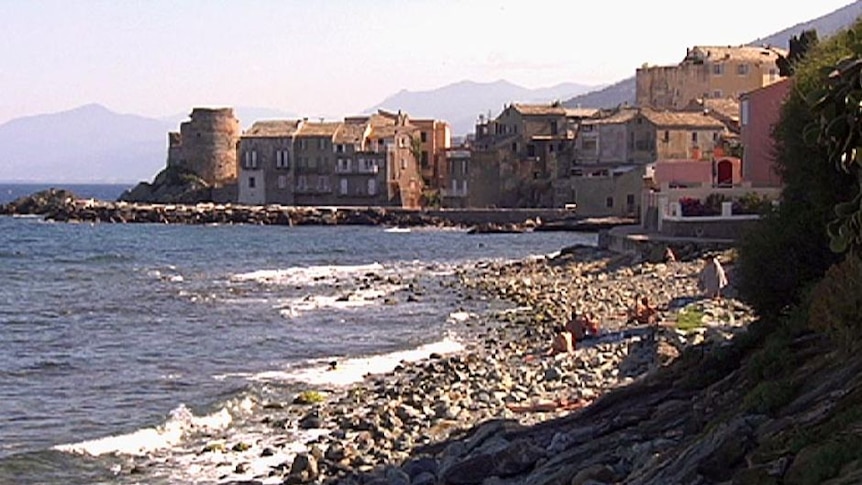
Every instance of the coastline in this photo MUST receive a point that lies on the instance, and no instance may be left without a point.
(416, 424)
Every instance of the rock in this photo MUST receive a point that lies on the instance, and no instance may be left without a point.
(516, 458)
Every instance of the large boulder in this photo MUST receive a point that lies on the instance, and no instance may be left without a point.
(173, 185)
(42, 202)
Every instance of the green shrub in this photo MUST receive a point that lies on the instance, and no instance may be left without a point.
(689, 318)
(768, 397)
(836, 303)
(308, 397)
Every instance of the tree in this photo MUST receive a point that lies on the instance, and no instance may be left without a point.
(799, 46)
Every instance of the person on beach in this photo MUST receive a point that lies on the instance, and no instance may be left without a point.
(643, 312)
(712, 278)
(562, 342)
(583, 326)
(669, 257)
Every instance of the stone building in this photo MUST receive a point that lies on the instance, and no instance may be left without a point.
(707, 72)
(360, 161)
(206, 145)
(516, 157)
(613, 155)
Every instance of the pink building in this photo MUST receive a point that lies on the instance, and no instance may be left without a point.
(759, 112)
(723, 171)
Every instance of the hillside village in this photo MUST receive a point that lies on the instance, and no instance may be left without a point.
(697, 136)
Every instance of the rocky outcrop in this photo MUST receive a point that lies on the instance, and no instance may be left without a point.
(41, 203)
(172, 185)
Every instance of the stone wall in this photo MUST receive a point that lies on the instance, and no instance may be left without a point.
(207, 145)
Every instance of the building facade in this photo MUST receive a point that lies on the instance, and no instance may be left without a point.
(759, 112)
(707, 72)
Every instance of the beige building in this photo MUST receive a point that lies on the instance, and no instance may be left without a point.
(707, 72)
(613, 156)
(364, 160)
(517, 156)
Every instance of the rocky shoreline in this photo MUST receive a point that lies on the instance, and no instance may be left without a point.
(460, 419)
(63, 206)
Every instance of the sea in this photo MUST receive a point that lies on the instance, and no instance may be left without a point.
(122, 341)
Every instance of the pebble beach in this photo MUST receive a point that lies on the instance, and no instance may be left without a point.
(406, 427)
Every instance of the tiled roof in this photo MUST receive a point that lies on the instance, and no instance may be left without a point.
(747, 53)
(681, 119)
(539, 109)
(582, 112)
(326, 128)
(621, 116)
(272, 128)
(350, 133)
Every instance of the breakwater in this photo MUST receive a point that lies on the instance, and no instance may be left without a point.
(63, 206)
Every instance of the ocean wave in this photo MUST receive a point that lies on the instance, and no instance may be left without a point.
(147, 440)
(353, 370)
(305, 275)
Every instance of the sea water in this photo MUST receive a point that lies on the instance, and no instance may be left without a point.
(117, 340)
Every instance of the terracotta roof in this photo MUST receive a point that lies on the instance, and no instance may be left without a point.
(748, 53)
(681, 119)
(539, 109)
(621, 116)
(327, 128)
(350, 133)
(726, 107)
(272, 128)
(582, 112)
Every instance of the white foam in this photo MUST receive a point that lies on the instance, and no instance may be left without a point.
(147, 440)
(397, 229)
(305, 276)
(294, 307)
(460, 316)
(354, 370)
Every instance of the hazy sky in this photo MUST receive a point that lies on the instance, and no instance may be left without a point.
(338, 57)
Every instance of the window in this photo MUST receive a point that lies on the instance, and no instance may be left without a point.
(531, 150)
(694, 137)
(515, 146)
(424, 158)
(609, 202)
(282, 159)
(589, 146)
(372, 187)
(282, 182)
(666, 137)
(403, 164)
(553, 127)
(339, 148)
(464, 186)
(718, 69)
(717, 94)
(321, 144)
(302, 183)
(343, 165)
(743, 115)
(342, 186)
(464, 167)
(423, 137)
(251, 182)
(323, 184)
(742, 69)
(251, 159)
(630, 200)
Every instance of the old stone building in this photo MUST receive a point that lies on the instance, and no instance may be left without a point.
(516, 157)
(614, 153)
(206, 145)
(363, 160)
(707, 72)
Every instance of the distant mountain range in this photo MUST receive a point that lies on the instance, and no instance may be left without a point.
(624, 91)
(460, 104)
(92, 144)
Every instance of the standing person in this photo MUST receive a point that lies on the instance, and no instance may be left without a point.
(712, 278)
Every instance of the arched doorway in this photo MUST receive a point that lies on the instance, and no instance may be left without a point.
(724, 173)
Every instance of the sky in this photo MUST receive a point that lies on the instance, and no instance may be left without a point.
(334, 58)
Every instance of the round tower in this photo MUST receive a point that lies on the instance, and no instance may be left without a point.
(208, 144)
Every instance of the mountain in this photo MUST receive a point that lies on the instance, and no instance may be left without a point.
(89, 144)
(825, 26)
(624, 91)
(460, 104)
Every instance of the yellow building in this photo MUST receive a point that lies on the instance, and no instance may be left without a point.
(707, 72)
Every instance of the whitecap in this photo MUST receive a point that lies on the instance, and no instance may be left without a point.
(353, 370)
(305, 275)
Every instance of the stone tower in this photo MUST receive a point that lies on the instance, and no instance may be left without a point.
(206, 145)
